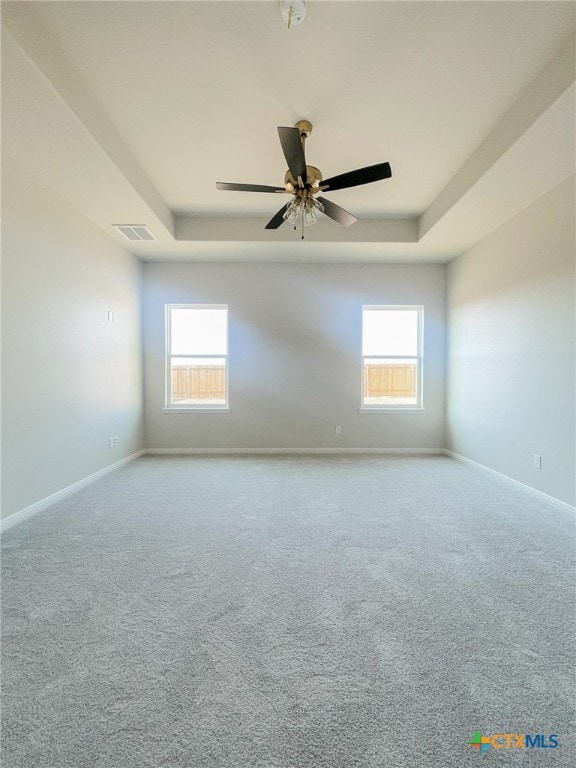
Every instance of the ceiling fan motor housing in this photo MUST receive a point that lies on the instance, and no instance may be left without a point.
(313, 179)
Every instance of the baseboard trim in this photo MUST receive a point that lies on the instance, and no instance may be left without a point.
(291, 451)
(43, 504)
(508, 479)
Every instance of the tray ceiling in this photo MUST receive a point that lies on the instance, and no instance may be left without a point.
(153, 102)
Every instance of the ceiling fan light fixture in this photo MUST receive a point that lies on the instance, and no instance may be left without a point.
(311, 211)
(293, 12)
(293, 210)
(308, 208)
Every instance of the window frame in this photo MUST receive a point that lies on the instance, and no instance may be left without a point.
(417, 407)
(169, 406)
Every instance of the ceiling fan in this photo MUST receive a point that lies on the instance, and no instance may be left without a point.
(304, 182)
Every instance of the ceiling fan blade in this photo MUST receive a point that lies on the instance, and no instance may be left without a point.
(337, 213)
(293, 152)
(277, 219)
(358, 177)
(247, 187)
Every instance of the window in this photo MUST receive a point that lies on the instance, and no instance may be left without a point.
(391, 358)
(197, 357)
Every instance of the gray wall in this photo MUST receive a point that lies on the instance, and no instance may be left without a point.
(70, 378)
(512, 347)
(294, 356)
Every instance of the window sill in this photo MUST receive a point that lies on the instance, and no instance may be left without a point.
(391, 409)
(198, 409)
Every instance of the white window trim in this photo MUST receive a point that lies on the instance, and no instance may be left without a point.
(196, 409)
(388, 408)
(372, 409)
(187, 408)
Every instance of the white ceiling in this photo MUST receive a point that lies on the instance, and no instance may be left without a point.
(133, 110)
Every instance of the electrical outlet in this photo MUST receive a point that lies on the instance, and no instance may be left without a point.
(537, 461)
(115, 440)
(338, 430)
(112, 318)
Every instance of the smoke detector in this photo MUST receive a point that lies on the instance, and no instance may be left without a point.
(293, 12)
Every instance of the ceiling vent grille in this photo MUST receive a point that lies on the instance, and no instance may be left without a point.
(134, 231)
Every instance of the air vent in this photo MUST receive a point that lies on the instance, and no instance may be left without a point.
(134, 231)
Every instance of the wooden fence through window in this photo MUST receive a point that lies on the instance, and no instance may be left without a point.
(198, 382)
(208, 382)
(390, 380)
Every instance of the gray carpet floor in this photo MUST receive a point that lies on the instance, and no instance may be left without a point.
(288, 612)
